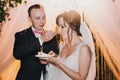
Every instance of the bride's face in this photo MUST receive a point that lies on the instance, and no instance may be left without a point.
(63, 29)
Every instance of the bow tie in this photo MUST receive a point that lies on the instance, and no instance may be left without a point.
(41, 32)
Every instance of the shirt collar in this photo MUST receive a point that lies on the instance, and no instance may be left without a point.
(36, 35)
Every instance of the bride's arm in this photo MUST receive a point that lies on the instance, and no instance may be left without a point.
(84, 61)
(83, 65)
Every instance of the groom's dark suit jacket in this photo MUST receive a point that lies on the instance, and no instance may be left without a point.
(26, 46)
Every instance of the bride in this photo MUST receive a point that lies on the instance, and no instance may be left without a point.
(76, 60)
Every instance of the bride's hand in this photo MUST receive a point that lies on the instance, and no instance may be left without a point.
(53, 59)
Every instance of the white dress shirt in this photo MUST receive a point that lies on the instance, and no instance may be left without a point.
(41, 42)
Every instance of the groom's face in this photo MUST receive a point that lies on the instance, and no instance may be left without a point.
(38, 18)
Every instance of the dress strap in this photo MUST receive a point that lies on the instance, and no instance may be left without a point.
(80, 45)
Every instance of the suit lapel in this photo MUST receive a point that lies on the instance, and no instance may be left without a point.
(30, 33)
(30, 37)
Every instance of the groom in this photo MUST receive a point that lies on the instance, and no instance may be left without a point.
(29, 42)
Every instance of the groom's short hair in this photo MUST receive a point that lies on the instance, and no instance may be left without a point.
(35, 6)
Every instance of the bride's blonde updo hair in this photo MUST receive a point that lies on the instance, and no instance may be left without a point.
(73, 19)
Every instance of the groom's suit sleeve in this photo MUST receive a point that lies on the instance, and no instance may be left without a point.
(22, 49)
(51, 45)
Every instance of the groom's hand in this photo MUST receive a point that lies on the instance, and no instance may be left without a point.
(52, 54)
(48, 36)
(43, 61)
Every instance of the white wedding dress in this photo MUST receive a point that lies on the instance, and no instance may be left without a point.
(55, 73)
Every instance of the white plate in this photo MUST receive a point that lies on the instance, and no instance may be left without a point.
(43, 56)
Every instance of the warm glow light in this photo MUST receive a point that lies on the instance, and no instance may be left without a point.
(103, 17)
